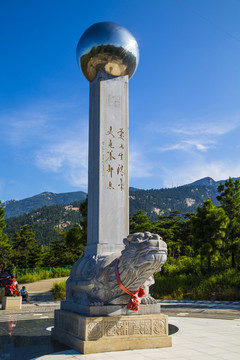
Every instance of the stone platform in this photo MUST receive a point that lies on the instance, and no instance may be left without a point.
(11, 302)
(2, 293)
(111, 333)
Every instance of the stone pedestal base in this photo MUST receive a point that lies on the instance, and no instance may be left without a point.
(109, 310)
(111, 333)
(2, 293)
(11, 302)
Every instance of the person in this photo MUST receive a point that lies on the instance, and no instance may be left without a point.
(23, 292)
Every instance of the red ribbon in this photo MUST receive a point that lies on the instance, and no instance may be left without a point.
(133, 303)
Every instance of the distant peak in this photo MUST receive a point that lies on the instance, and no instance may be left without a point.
(207, 181)
(5, 203)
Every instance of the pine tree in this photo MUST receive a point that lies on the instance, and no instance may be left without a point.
(5, 245)
(60, 253)
(168, 227)
(76, 238)
(209, 228)
(139, 222)
(27, 253)
(230, 201)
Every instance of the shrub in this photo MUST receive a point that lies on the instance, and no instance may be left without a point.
(59, 290)
(42, 275)
(223, 286)
(183, 265)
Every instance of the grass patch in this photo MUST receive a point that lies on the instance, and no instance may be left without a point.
(43, 274)
(224, 286)
(59, 290)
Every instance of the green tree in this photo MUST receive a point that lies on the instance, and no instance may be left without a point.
(230, 201)
(69, 246)
(27, 253)
(185, 235)
(5, 245)
(209, 226)
(76, 238)
(168, 227)
(75, 242)
(60, 253)
(73, 237)
(140, 222)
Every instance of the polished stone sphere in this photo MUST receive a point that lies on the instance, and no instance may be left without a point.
(108, 47)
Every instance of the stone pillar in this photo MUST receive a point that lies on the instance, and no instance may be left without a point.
(108, 194)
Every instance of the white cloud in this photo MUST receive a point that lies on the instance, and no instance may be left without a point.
(36, 122)
(190, 142)
(21, 127)
(53, 137)
(185, 154)
(187, 146)
(199, 168)
(205, 127)
(196, 135)
(139, 166)
(69, 158)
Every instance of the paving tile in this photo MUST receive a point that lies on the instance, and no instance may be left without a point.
(219, 344)
(99, 356)
(207, 357)
(229, 356)
(56, 357)
(212, 350)
(187, 352)
(197, 339)
(131, 357)
(155, 356)
(181, 342)
(159, 355)
(234, 348)
(119, 355)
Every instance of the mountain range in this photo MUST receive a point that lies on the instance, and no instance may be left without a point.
(19, 207)
(48, 212)
(208, 186)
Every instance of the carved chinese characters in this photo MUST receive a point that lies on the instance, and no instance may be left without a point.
(114, 156)
(126, 326)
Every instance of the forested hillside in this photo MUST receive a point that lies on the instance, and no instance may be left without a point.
(46, 221)
(203, 246)
(154, 202)
(19, 207)
(160, 202)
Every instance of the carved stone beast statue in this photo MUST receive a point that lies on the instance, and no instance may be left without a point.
(93, 279)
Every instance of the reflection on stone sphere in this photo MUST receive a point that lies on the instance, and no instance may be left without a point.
(108, 47)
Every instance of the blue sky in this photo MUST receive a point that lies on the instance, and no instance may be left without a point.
(184, 99)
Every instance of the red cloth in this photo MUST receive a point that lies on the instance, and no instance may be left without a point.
(133, 303)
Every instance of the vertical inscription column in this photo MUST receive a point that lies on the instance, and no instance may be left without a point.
(108, 209)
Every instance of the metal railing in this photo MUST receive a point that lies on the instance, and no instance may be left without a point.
(36, 270)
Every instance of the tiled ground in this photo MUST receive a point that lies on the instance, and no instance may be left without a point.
(197, 339)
